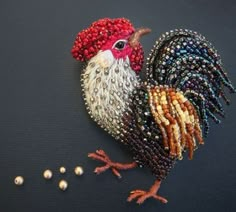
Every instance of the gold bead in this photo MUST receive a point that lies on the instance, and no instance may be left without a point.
(62, 170)
(78, 170)
(19, 180)
(63, 185)
(47, 174)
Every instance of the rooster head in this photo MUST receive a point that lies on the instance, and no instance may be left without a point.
(117, 36)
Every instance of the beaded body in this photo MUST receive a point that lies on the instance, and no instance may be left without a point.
(107, 85)
(142, 136)
(113, 92)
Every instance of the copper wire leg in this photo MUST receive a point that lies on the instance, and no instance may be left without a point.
(143, 195)
(100, 155)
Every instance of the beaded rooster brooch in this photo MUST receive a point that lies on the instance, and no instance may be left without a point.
(157, 119)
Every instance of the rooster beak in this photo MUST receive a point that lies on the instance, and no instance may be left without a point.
(135, 37)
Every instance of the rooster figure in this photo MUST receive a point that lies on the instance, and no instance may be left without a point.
(157, 119)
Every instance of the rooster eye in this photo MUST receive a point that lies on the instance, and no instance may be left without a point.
(120, 44)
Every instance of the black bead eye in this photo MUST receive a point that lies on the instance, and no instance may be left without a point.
(120, 44)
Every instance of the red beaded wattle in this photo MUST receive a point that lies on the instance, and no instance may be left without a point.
(137, 58)
(101, 35)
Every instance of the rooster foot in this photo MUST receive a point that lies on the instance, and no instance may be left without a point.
(143, 195)
(100, 155)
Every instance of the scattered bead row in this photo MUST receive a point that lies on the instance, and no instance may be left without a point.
(48, 174)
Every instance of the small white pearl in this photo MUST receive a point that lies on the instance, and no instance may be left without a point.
(63, 185)
(78, 170)
(47, 174)
(62, 170)
(19, 180)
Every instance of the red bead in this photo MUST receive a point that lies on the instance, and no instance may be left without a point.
(97, 35)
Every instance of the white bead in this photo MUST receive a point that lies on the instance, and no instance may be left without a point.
(62, 170)
(19, 180)
(47, 174)
(78, 170)
(63, 185)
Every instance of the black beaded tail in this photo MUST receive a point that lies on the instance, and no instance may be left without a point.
(186, 61)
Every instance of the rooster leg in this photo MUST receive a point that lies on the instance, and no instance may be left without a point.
(102, 156)
(143, 195)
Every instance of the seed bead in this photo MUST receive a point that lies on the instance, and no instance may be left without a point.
(62, 170)
(63, 185)
(78, 170)
(47, 174)
(19, 180)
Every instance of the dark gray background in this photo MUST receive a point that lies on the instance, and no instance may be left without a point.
(44, 123)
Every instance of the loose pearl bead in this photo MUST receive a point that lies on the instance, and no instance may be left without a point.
(78, 170)
(19, 180)
(62, 170)
(63, 185)
(47, 174)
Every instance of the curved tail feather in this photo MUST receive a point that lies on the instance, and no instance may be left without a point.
(186, 61)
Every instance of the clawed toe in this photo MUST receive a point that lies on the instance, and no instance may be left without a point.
(135, 194)
(161, 199)
(101, 169)
(141, 195)
(100, 155)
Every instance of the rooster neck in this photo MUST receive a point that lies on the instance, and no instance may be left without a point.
(107, 85)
